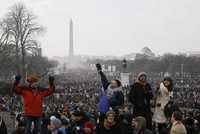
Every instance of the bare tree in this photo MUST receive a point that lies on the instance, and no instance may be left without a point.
(22, 29)
(4, 36)
(6, 51)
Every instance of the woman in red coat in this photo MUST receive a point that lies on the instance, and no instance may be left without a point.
(33, 99)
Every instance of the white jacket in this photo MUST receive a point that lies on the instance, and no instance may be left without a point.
(163, 97)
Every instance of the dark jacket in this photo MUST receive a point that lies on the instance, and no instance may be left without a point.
(146, 131)
(78, 127)
(100, 129)
(142, 126)
(117, 99)
(140, 97)
(19, 131)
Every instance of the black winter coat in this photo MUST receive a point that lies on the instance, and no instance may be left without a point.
(140, 97)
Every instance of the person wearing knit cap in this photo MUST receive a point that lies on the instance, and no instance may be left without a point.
(139, 126)
(65, 127)
(52, 117)
(55, 124)
(140, 96)
(33, 99)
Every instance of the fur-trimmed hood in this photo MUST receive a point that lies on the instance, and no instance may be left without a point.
(110, 91)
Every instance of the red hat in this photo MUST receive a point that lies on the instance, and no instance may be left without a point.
(89, 125)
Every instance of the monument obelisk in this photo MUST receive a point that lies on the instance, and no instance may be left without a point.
(71, 41)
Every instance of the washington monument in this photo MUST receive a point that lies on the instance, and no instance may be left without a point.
(71, 41)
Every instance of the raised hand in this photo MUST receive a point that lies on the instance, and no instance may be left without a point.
(98, 66)
(17, 78)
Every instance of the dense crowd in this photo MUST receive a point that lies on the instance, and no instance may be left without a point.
(73, 107)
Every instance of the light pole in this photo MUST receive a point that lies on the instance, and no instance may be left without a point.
(125, 79)
(124, 65)
(182, 65)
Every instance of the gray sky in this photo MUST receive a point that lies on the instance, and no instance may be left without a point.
(116, 27)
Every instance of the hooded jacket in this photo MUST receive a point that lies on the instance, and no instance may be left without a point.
(142, 129)
(141, 94)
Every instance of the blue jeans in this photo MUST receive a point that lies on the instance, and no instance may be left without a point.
(37, 125)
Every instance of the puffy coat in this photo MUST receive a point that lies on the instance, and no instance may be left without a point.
(33, 99)
(140, 96)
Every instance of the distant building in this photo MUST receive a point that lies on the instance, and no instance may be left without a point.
(194, 54)
(130, 56)
(145, 53)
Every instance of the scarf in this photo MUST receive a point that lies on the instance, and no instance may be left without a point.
(110, 91)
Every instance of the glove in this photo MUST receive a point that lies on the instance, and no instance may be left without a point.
(51, 80)
(17, 78)
(98, 66)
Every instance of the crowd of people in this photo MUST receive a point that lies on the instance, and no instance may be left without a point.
(187, 93)
(91, 102)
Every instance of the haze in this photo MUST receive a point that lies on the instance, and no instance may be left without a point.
(116, 27)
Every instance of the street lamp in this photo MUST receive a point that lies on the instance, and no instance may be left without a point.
(124, 65)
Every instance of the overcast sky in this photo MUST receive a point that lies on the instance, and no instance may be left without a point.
(116, 27)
